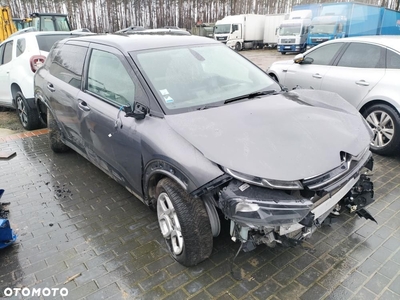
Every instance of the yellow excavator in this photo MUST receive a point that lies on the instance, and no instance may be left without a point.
(7, 26)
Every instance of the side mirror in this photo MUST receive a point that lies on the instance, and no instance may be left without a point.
(139, 112)
(298, 58)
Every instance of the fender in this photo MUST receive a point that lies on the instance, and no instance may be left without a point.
(158, 168)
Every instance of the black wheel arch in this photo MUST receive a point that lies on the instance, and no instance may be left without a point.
(158, 169)
(377, 101)
(42, 107)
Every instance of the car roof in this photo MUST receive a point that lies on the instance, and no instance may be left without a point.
(159, 31)
(142, 41)
(391, 41)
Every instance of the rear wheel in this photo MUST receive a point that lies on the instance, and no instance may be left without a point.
(184, 223)
(28, 117)
(55, 141)
(283, 53)
(385, 123)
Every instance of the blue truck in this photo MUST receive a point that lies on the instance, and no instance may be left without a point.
(338, 20)
(293, 31)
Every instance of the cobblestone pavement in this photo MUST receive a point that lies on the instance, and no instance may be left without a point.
(80, 230)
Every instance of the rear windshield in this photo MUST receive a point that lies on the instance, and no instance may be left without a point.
(47, 41)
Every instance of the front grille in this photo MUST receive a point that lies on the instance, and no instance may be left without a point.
(350, 167)
(318, 40)
(287, 41)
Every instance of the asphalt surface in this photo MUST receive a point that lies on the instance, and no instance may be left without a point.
(80, 230)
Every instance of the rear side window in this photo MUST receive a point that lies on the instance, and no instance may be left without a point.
(21, 45)
(47, 41)
(360, 55)
(392, 60)
(67, 64)
(7, 52)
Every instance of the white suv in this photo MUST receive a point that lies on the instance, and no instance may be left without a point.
(20, 56)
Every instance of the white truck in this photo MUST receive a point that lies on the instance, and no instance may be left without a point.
(293, 32)
(271, 27)
(241, 31)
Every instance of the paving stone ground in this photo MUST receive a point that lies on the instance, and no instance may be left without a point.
(72, 219)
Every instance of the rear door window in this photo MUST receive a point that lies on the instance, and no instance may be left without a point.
(360, 55)
(7, 52)
(1, 54)
(21, 45)
(67, 64)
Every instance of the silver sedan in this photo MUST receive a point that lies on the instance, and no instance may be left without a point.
(364, 71)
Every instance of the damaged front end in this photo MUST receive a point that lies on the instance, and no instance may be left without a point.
(262, 211)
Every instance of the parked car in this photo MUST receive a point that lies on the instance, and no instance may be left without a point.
(364, 71)
(20, 56)
(190, 127)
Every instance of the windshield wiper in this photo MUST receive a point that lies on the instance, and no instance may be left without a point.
(206, 107)
(251, 95)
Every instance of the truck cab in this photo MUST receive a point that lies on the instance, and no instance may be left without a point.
(294, 31)
(229, 29)
(241, 31)
(325, 28)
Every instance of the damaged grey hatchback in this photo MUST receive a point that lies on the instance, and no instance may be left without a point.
(191, 128)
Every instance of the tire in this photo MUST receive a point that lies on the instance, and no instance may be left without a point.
(184, 223)
(283, 53)
(28, 117)
(55, 141)
(385, 123)
(238, 46)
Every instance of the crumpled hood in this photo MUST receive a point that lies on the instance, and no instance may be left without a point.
(289, 136)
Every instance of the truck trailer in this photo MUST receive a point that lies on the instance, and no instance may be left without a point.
(271, 28)
(241, 31)
(339, 20)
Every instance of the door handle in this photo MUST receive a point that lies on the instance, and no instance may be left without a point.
(362, 82)
(316, 75)
(83, 105)
(50, 87)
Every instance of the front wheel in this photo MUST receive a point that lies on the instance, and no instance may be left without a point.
(238, 46)
(283, 53)
(184, 223)
(385, 124)
(28, 117)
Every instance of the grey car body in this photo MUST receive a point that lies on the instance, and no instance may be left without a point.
(162, 116)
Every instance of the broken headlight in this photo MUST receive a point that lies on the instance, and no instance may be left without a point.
(268, 183)
(257, 206)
